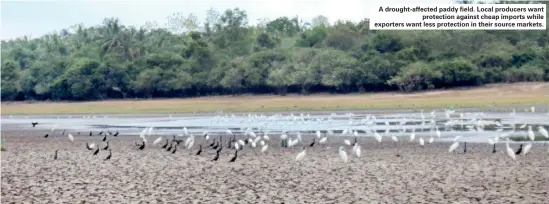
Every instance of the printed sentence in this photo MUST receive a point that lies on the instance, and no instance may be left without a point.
(453, 9)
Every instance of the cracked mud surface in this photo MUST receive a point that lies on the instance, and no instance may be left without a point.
(419, 175)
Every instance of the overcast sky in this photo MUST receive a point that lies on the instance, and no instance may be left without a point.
(36, 18)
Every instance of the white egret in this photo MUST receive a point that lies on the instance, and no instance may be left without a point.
(257, 139)
(357, 151)
(543, 131)
(291, 143)
(431, 140)
(453, 147)
(252, 134)
(342, 154)
(188, 140)
(71, 137)
(323, 140)
(191, 143)
(283, 136)
(394, 138)
(143, 132)
(510, 151)
(413, 135)
(527, 149)
(157, 140)
(301, 155)
(264, 148)
(347, 142)
(421, 142)
(531, 133)
(378, 137)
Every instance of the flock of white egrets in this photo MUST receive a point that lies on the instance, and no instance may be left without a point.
(474, 122)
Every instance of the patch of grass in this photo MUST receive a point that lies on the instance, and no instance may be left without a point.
(493, 95)
(2, 148)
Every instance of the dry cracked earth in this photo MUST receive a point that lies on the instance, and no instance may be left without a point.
(153, 175)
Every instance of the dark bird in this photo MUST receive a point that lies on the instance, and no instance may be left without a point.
(216, 145)
(356, 141)
(78, 133)
(106, 147)
(174, 149)
(213, 143)
(91, 134)
(494, 148)
(229, 143)
(110, 155)
(199, 150)
(105, 138)
(170, 147)
(100, 133)
(235, 155)
(216, 156)
(219, 150)
(177, 141)
(465, 147)
(88, 146)
(142, 146)
(34, 123)
(96, 151)
(55, 156)
(116, 134)
(63, 133)
(46, 136)
(312, 143)
(519, 150)
(108, 131)
(165, 145)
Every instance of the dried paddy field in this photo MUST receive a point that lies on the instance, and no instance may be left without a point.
(418, 175)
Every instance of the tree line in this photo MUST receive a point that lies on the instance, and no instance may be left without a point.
(225, 55)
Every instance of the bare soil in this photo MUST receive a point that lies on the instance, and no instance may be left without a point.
(153, 175)
(490, 95)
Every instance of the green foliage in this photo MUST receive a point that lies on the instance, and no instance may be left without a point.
(225, 55)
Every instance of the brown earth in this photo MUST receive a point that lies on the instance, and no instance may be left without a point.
(419, 175)
(485, 96)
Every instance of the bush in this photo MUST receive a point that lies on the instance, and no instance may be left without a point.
(416, 77)
(524, 73)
